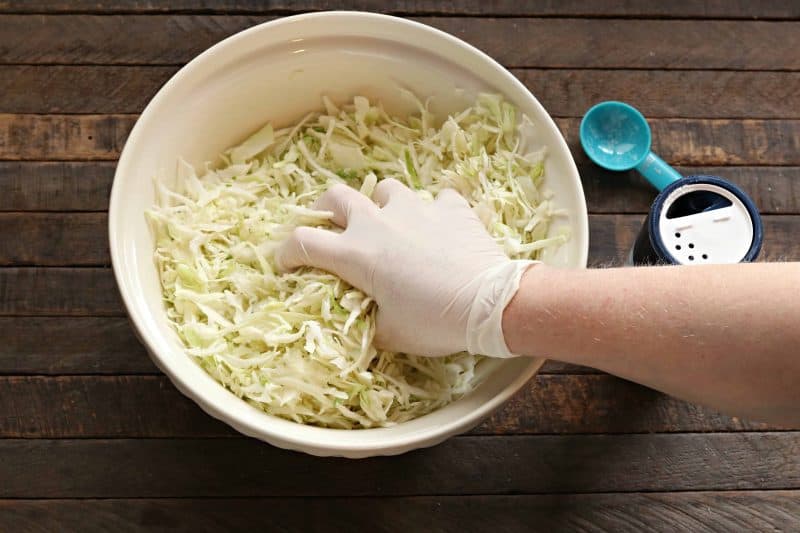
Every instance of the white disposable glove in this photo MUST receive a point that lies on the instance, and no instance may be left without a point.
(440, 281)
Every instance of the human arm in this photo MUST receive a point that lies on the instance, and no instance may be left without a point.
(725, 336)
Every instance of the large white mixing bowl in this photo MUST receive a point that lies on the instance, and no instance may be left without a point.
(277, 72)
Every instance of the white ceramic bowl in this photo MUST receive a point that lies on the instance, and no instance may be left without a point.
(277, 72)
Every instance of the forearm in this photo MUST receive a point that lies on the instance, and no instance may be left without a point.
(725, 336)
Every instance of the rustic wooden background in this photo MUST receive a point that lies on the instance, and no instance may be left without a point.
(93, 437)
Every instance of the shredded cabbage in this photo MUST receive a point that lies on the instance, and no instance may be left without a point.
(299, 345)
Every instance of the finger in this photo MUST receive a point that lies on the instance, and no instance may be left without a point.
(389, 189)
(451, 197)
(313, 247)
(343, 201)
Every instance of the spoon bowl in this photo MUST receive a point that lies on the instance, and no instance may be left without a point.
(615, 135)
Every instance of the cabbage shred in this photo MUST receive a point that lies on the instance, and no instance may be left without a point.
(299, 345)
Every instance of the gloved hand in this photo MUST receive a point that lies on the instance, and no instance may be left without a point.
(440, 281)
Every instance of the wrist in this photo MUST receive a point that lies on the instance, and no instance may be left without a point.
(496, 289)
(517, 316)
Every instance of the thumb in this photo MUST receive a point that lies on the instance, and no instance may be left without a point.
(312, 247)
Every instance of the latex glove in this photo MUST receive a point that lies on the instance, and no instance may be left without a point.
(440, 281)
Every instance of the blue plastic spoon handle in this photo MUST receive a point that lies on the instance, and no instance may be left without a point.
(657, 171)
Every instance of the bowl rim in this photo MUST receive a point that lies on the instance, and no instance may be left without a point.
(391, 443)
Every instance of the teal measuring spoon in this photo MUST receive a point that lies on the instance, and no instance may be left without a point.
(616, 136)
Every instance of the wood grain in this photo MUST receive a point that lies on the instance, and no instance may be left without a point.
(71, 345)
(775, 190)
(611, 237)
(67, 137)
(80, 239)
(59, 292)
(92, 291)
(718, 511)
(695, 142)
(563, 92)
(581, 43)
(234, 467)
(79, 89)
(568, 404)
(85, 186)
(56, 239)
(36, 407)
(72, 84)
(99, 345)
(55, 186)
(759, 9)
(699, 142)
(668, 93)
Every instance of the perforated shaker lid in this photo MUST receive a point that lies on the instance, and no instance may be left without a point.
(704, 220)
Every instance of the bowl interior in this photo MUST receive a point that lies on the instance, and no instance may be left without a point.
(278, 72)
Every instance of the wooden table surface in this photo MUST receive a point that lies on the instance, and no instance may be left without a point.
(93, 437)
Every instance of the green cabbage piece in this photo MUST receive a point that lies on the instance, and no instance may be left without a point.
(299, 345)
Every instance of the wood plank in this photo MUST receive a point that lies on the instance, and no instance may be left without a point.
(700, 142)
(80, 239)
(55, 186)
(607, 43)
(53, 239)
(618, 43)
(80, 89)
(695, 142)
(128, 39)
(59, 292)
(150, 407)
(611, 237)
(721, 511)
(775, 190)
(99, 345)
(563, 92)
(71, 345)
(118, 406)
(67, 137)
(759, 9)
(668, 93)
(92, 291)
(570, 404)
(121, 468)
(85, 186)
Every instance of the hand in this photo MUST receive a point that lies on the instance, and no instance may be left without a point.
(439, 279)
